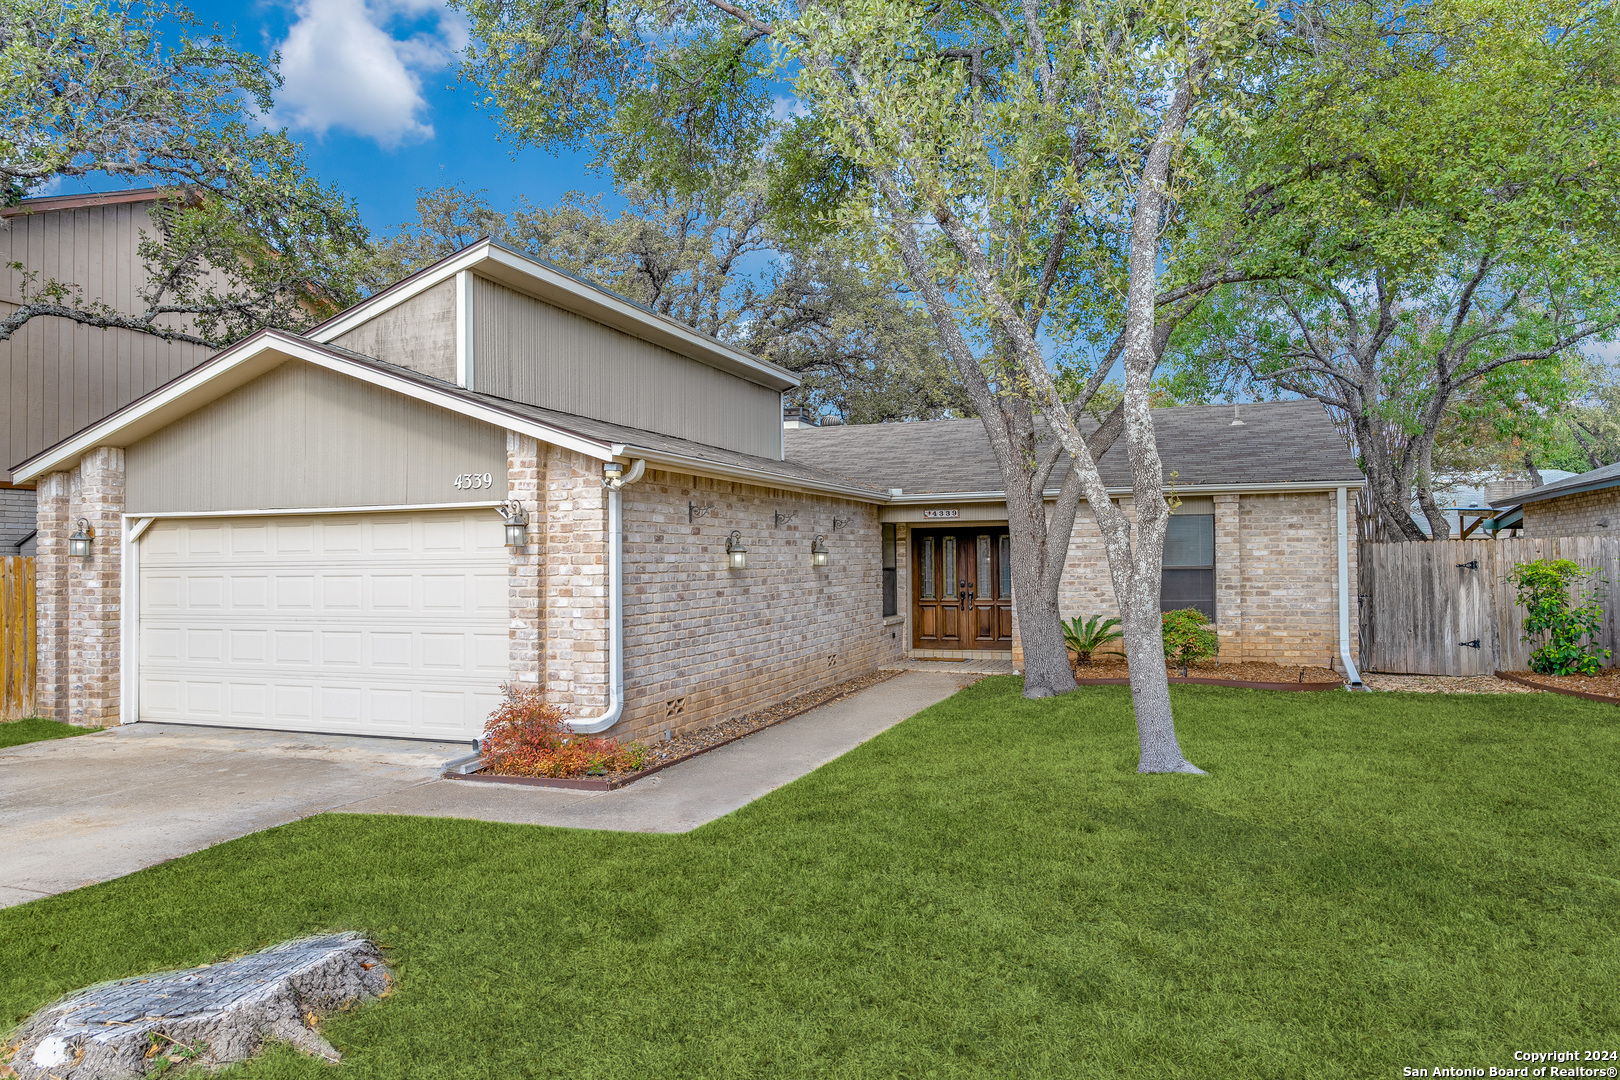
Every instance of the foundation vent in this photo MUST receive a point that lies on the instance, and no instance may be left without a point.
(675, 706)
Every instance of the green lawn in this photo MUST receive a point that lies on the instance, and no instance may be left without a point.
(1364, 883)
(17, 732)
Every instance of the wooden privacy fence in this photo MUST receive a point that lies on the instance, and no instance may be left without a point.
(1445, 607)
(17, 649)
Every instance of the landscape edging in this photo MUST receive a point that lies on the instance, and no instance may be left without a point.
(1507, 677)
(1241, 684)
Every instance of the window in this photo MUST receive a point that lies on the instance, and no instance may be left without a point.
(1006, 567)
(891, 602)
(1189, 564)
(926, 569)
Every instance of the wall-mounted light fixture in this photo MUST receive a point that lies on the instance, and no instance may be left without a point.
(736, 554)
(79, 542)
(612, 474)
(818, 550)
(517, 524)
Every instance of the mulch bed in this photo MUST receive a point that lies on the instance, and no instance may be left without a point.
(1604, 686)
(690, 744)
(1248, 672)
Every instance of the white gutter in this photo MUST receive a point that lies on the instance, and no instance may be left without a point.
(615, 704)
(1344, 596)
(1301, 486)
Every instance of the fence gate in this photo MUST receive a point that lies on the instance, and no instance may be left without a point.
(17, 649)
(1445, 607)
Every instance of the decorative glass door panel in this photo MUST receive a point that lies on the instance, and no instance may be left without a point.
(962, 584)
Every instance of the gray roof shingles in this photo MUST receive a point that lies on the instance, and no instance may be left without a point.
(1596, 480)
(1279, 442)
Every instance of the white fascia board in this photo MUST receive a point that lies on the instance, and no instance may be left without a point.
(535, 279)
(248, 360)
(759, 477)
(1180, 489)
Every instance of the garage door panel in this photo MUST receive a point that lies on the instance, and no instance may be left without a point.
(388, 624)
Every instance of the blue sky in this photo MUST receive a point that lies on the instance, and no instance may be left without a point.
(370, 89)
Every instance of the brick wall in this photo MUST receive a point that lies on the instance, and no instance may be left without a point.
(573, 576)
(96, 493)
(17, 517)
(79, 601)
(51, 596)
(705, 643)
(525, 632)
(1575, 515)
(1276, 576)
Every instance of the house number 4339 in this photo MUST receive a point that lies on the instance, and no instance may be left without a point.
(474, 481)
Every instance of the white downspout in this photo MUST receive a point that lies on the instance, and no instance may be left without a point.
(1344, 595)
(615, 704)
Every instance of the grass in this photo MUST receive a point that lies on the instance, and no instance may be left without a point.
(17, 732)
(1364, 883)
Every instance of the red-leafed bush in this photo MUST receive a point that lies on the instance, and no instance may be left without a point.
(528, 736)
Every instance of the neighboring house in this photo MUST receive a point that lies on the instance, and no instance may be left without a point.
(1466, 501)
(1579, 504)
(494, 472)
(56, 375)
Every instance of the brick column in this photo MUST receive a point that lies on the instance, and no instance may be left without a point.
(575, 581)
(94, 590)
(51, 595)
(1228, 578)
(526, 631)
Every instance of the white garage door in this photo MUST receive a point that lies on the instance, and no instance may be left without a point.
(372, 624)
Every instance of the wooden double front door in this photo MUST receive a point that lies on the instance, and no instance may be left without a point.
(961, 588)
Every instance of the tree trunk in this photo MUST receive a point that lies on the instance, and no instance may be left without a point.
(1150, 690)
(1038, 553)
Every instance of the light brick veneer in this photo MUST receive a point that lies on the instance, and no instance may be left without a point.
(1575, 515)
(525, 631)
(1276, 576)
(721, 643)
(79, 601)
(51, 596)
(574, 580)
(94, 590)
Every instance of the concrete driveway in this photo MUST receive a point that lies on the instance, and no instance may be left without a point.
(86, 809)
(77, 811)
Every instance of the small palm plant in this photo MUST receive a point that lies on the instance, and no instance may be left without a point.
(1086, 637)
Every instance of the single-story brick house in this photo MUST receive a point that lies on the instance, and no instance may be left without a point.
(493, 472)
(1586, 504)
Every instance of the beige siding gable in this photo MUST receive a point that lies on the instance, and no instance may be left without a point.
(419, 333)
(302, 436)
(526, 350)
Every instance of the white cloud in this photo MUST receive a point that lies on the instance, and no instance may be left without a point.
(786, 107)
(344, 67)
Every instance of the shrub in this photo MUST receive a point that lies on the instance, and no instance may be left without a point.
(528, 736)
(1091, 635)
(1188, 637)
(1571, 631)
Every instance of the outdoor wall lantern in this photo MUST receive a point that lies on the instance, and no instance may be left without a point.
(517, 524)
(818, 550)
(612, 474)
(79, 542)
(736, 554)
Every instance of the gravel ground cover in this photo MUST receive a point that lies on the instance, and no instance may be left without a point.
(1444, 684)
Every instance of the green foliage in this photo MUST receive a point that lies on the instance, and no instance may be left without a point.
(247, 240)
(1087, 636)
(1434, 237)
(36, 729)
(984, 890)
(1569, 631)
(1188, 637)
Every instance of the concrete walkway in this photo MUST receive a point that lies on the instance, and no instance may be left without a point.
(77, 811)
(687, 795)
